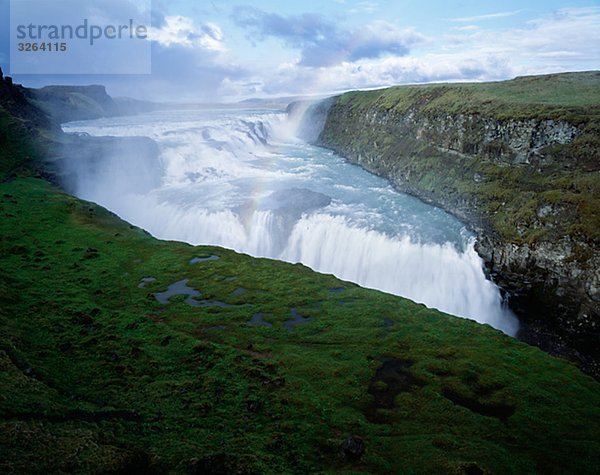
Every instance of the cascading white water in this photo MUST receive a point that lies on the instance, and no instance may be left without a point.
(241, 180)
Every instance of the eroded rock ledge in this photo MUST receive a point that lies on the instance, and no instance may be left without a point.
(519, 162)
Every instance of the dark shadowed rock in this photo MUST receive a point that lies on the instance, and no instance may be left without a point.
(353, 448)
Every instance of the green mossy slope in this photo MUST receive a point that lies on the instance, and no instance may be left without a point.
(98, 376)
(15, 146)
(519, 162)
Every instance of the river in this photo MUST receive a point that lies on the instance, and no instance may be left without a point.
(241, 179)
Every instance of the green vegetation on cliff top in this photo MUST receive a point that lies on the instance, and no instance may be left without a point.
(574, 97)
(522, 203)
(269, 370)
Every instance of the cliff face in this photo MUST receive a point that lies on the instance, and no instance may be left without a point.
(14, 100)
(68, 103)
(522, 171)
(32, 142)
(97, 365)
(24, 130)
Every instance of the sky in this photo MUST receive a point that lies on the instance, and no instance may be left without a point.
(228, 50)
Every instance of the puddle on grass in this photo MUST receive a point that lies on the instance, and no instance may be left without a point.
(337, 290)
(146, 280)
(196, 260)
(388, 324)
(210, 303)
(297, 320)
(181, 288)
(258, 320)
(178, 288)
(239, 291)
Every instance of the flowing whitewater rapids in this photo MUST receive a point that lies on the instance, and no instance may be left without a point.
(242, 180)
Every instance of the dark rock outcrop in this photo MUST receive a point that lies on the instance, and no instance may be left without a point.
(353, 448)
(14, 99)
(523, 176)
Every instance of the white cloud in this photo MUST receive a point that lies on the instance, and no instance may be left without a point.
(490, 16)
(573, 30)
(181, 31)
(389, 71)
(466, 28)
(367, 6)
(321, 41)
(562, 41)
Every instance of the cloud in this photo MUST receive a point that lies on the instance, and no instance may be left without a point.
(181, 31)
(195, 60)
(541, 44)
(321, 42)
(490, 16)
(380, 36)
(365, 6)
(383, 72)
(466, 28)
(190, 59)
(559, 41)
(563, 40)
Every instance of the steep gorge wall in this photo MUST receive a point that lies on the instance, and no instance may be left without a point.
(528, 186)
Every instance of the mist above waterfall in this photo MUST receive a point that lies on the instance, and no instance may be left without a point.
(243, 180)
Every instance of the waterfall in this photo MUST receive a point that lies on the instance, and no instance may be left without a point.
(242, 180)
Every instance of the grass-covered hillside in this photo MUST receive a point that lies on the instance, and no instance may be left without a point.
(567, 96)
(120, 353)
(262, 367)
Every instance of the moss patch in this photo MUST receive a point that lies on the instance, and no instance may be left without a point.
(97, 375)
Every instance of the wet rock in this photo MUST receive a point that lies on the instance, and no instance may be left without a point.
(353, 448)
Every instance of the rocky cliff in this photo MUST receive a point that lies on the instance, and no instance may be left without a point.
(32, 142)
(519, 162)
(68, 103)
(24, 130)
(120, 353)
